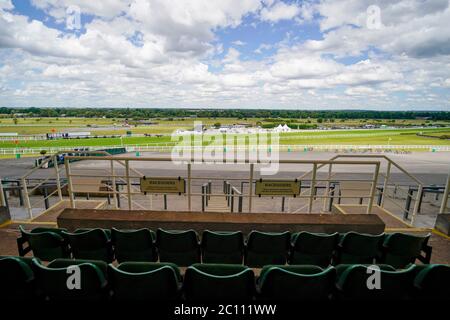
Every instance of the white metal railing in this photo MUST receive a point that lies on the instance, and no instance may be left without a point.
(166, 146)
(129, 193)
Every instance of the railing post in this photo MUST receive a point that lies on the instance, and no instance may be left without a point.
(282, 203)
(232, 200)
(2, 195)
(69, 183)
(127, 177)
(46, 202)
(209, 189)
(203, 198)
(250, 189)
(327, 190)
(240, 203)
(385, 185)
(165, 201)
(312, 188)
(114, 185)
(373, 188)
(408, 203)
(417, 203)
(58, 179)
(27, 198)
(189, 185)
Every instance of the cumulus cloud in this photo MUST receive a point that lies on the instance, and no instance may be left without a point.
(279, 11)
(156, 53)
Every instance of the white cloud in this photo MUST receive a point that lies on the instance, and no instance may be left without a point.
(279, 11)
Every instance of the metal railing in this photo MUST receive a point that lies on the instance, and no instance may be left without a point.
(130, 194)
(231, 192)
(444, 206)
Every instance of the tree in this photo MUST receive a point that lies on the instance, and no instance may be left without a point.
(319, 120)
(15, 120)
(217, 125)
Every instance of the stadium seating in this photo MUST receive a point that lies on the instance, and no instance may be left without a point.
(145, 281)
(393, 285)
(219, 282)
(296, 283)
(432, 282)
(179, 247)
(52, 283)
(27, 278)
(45, 243)
(93, 244)
(358, 248)
(313, 248)
(17, 279)
(265, 248)
(134, 245)
(399, 249)
(222, 247)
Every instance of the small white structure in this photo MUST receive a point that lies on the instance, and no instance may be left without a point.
(282, 128)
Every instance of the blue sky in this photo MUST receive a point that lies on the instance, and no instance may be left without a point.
(348, 54)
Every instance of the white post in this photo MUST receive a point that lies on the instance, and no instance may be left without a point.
(250, 189)
(69, 183)
(113, 186)
(386, 179)
(127, 176)
(373, 188)
(416, 203)
(58, 179)
(313, 185)
(327, 190)
(189, 185)
(27, 198)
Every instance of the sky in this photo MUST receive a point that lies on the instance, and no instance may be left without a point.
(269, 54)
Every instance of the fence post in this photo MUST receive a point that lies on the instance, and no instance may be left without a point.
(445, 196)
(114, 185)
(250, 189)
(58, 179)
(373, 188)
(417, 203)
(189, 185)
(69, 183)
(127, 177)
(327, 190)
(408, 203)
(312, 188)
(27, 198)
(386, 179)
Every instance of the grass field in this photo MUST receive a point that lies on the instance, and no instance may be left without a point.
(349, 137)
(105, 126)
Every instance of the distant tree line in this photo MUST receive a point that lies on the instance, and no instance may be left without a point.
(138, 114)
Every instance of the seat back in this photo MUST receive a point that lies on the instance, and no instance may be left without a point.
(433, 282)
(400, 249)
(219, 283)
(142, 281)
(92, 244)
(359, 282)
(313, 248)
(60, 284)
(179, 247)
(266, 248)
(359, 248)
(297, 284)
(222, 247)
(134, 245)
(64, 263)
(46, 245)
(17, 279)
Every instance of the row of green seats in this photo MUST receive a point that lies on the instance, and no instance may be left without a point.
(184, 248)
(28, 278)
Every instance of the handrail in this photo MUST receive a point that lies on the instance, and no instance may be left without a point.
(443, 207)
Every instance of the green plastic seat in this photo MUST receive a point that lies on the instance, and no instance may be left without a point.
(340, 268)
(222, 247)
(313, 248)
(399, 249)
(145, 281)
(93, 244)
(134, 245)
(45, 245)
(17, 279)
(219, 282)
(64, 263)
(394, 285)
(433, 282)
(265, 248)
(52, 283)
(358, 248)
(296, 283)
(81, 230)
(179, 247)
